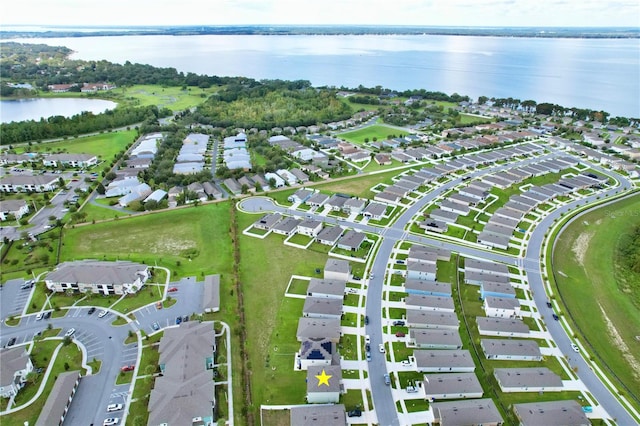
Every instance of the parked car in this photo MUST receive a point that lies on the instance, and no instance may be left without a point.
(91, 310)
(556, 317)
(102, 314)
(47, 315)
(367, 347)
(158, 305)
(412, 389)
(355, 413)
(185, 318)
(368, 356)
(178, 320)
(406, 363)
(39, 316)
(114, 407)
(548, 303)
(387, 379)
(398, 323)
(172, 289)
(367, 339)
(575, 347)
(112, 421)
(366, 320)
(400, 334)
(381, 348)
(128, 368)
(156, 326)
(70, 332)
(11, 342)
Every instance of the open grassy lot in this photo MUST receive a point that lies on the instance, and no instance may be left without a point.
(378, 131)
(359, 187)
(174, 98)
(271, 320)
(596, 302)
(105, 145)
(190, 241)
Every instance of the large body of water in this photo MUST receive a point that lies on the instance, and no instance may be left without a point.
(37, 108)
(599, 74)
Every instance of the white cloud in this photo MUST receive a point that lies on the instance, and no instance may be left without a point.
(318, 12)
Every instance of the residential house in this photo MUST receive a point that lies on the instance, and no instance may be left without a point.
(352, 240)
(233, 186)
(333, 289)
(354, 206)
(301, 176)
(287, 226)
(323, 384)
(336, 202)
(429, 303)
(329, 236)
(439, 361)
(274, 180)
(501, 307)
(496, 289)
(427, 288)
(13, 209)
(485, 267)
(439, 386)
(15, 365)
(319, 328)
(433, 320)
(316, 200)
(317, 351)
(337, 269)
(211, 293)
(374, 211)
(535, 379)
(310, 227)
(94, 276)
(318, 415)
(27, 183)
(551, 413)
(467, 412)
(59, 398)
(434, 339)
(508, 327)
(322, 307)
(511, 349)
(70, 160)
(421, 271)
(288, 177)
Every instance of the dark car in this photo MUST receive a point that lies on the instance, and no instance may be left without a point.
(156, 326)
(185, 318)
(398, 323)
(47, 315)
(548, 303)
(178, 320)
(354, 413)
(556, 317)
(91, 310)
(366, 320)
(11, 341)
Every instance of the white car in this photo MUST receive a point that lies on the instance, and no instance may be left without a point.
(575, 347)
(406, 363)
(381, 348)
(111, 421)
(102, 313)
(39, 316)
(114, 407)
(69, 333)
(367, 339)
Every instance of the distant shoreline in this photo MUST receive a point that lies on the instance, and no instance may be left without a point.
(527, 32)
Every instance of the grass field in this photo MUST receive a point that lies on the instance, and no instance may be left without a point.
(378, 131)
(190, 241)
(173, 98)
(105, 145)
(271, 320)
(358, 187)
(585, 275)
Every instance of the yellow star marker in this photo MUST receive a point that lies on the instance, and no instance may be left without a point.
(323, 378)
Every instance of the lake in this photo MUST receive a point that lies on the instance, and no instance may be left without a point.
(599, 74)
(37, 108)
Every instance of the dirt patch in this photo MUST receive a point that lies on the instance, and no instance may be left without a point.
(581, 245)
(619, 343)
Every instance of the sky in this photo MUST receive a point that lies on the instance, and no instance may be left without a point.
(477, 13)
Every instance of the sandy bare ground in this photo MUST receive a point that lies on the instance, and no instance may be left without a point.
(581, 245)
(620, 344)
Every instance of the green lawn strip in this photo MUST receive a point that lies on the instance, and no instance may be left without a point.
(149, 360)
(104, 145)
(24, 257)
(98, 213)
(348, 346)
(298, 286)
(138, 414)
(124, 377)
(265, 270)
(585, 253)
(358, 186)
(69, 355)
(300, 239)
(352, 399)
(280, 417)
(416, 405)
(95, 366)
